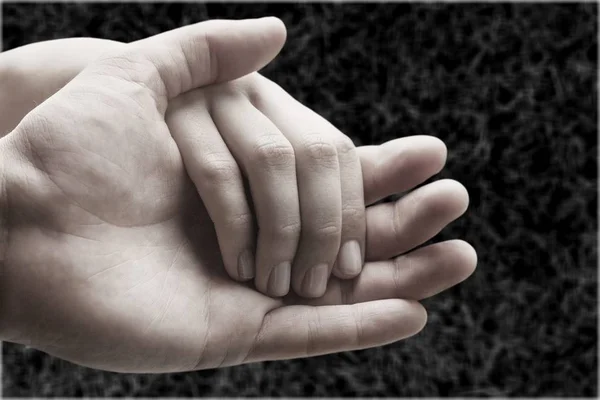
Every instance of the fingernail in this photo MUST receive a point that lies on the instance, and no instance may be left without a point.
(315, 281)
(350, 260)
(279, 281)
(246, 265)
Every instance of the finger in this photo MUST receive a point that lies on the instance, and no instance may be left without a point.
(307, 331)
(196, 55)
(331, 196)
(268, 160)
(417, 275)
(395, 228)
(318, 174)
(317, 169)
(218, 180)
(399, 165)
(350, 258)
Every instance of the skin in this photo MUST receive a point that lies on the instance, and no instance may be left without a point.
(127, 275)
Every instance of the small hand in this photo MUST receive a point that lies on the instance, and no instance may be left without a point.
(305, 194)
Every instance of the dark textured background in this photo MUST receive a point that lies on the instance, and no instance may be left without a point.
(512, 90)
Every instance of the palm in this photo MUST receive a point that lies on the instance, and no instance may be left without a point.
(139, 241)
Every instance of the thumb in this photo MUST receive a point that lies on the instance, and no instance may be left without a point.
(198, 55)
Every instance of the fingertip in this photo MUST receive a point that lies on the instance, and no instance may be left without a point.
(275, 32)
(278, 25)
(419, 316)
(424, 317)
(457, 195)
(467, 256)
(463, 196)
(408, 316)
(432, 149)
(441, 152)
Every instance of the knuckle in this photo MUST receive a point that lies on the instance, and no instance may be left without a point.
(402, 264)
(353, 220)
(289, 231)
(217, 171)
(345, 146)
(319, 150)
(353, 213)
(271, 150)
(327, 232)
(239, 221)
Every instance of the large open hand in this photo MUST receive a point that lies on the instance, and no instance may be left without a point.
(303, 173)
(112, 259)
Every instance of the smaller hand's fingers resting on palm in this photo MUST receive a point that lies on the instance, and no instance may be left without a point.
(268, 160)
